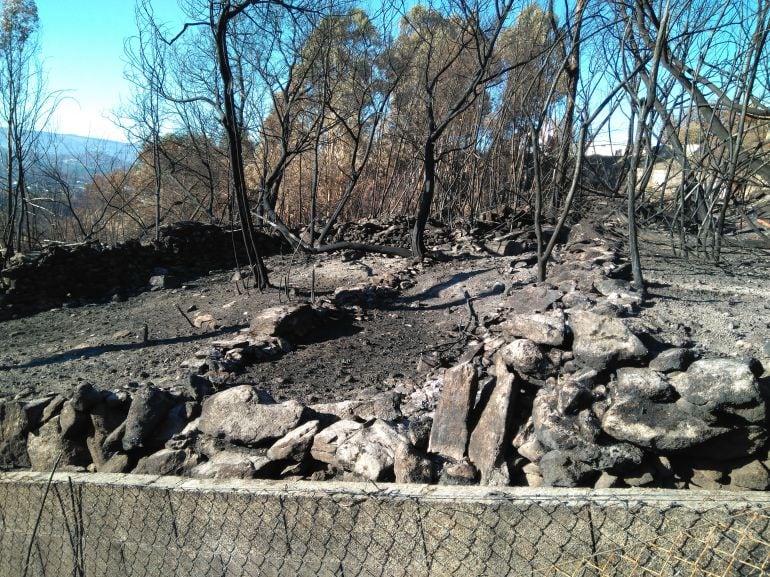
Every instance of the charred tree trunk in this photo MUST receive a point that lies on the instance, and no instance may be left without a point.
(235, 146)
(426, 199)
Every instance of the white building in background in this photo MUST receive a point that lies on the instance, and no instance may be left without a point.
(605, 148)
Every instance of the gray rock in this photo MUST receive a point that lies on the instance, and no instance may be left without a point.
(46, 444)
(85, 397)
(114, 441)
(618, 458)
(104, 420)
(15, 423)
(715, 408)
(74, 423)
(576, 300)
(370, 452)
(527, 445)
(166, 462)
(606, 481)
(670, 360)
(752, 476)
(722, 387)
(502, 247)
(293, 322)
(559, 469)
(295, 445)
(707, 479)
(554, 430)
(532, 475)
(118, 463)
(644, 383)
(492, 434)
(149, 406)
(385, 406)
(409, 466)
(175, 421)
(246, 415)
(418, 431)
(532, 299)
(164, 281)
(542, 328)
(618, 293)
(643, 477)
(524, 356)
(326, 442)
(229, 465)
(661, 427)
(462, 473)
(52, 408)
(449, 434)
(572, 397)
(601, 341)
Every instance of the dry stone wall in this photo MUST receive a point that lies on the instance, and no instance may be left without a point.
(93, 271)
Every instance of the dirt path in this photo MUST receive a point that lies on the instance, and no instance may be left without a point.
(725, 310)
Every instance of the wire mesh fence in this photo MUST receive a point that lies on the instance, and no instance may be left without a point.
(133, 526)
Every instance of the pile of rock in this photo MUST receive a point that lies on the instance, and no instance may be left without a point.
(562, 386)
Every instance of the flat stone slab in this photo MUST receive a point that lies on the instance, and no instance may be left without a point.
(449, 434)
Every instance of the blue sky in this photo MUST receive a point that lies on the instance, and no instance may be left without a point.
(82, 53)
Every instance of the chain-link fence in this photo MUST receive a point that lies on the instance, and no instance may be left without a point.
(95, 525)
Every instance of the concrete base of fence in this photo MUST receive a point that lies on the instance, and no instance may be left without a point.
(133, 525)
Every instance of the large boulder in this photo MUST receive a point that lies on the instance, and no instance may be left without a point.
(293, 322)
(46, 447)
(716, 408)
(644, 411)
(449, 434)
(718, 389)
(370, 452)
(246, 415)
(17, 419)
(601, 341)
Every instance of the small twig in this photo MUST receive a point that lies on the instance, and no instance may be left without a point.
(181, 312)
(145, 333)
(40, 514)
(312, 285)
(471, 312)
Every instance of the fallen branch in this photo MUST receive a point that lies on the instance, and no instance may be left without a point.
(297, 242)
(185, 316)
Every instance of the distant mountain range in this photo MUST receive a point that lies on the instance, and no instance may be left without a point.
(77, 157)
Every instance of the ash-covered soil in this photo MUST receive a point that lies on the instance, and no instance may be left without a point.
(722, 309)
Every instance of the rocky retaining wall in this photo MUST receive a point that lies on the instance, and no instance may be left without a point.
(116, 525)
(91, 271)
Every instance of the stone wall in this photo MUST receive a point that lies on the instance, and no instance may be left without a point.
(113, 525)
(93, 271)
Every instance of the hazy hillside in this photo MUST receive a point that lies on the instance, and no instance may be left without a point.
(76, 157)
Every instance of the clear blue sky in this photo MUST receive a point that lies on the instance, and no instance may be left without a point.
(82, 53)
